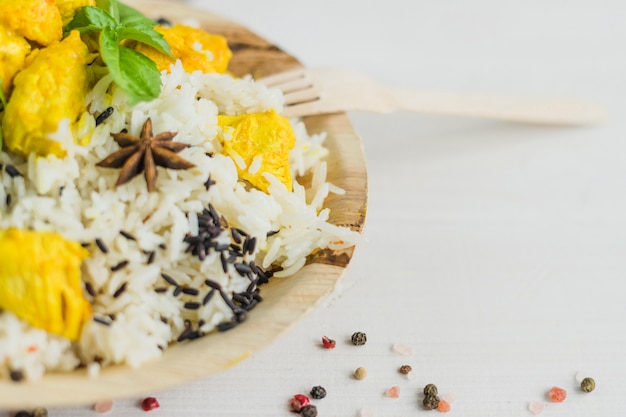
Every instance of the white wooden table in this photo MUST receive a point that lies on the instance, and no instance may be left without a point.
(496, 251)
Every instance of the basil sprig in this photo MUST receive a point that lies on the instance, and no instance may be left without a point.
(132, 71)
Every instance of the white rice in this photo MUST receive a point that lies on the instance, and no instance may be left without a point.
(74, 198)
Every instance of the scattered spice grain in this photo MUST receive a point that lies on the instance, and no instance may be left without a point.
(557, 394)
(328, 343)
(359, 338)
(149, 403)
(103, 406)
(16, 375)
(360, 373)
(318, 392)
(431, 402)
(393, 392)
(588, 384)
(40, 412)
(443, 406)
(431, 389)
(536, 408)
(402, 349)
(309, 411)
(405, 369)
(298, 402)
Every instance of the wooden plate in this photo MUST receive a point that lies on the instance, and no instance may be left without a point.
(286, 301)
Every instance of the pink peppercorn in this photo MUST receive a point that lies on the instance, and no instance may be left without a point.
(557, 394)
(150, 403)
(299, 401)
(328, 343)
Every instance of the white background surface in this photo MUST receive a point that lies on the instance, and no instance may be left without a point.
(496, 251)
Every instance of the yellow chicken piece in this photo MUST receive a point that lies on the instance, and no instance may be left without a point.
(13, 51)
(197, 50)
(68, 8)
(36, 20)
(51, 88)
(267, 135)
(40, 281)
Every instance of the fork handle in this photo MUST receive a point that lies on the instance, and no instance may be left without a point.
(525, 109)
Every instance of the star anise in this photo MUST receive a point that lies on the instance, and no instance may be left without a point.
(144, 153)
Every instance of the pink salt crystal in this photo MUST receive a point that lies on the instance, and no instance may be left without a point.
(393, 392)
(536, 407)
(103, 406)
(448, 398)
(402, 349)
(365, 413)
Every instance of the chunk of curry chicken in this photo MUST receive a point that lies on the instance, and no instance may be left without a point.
(197, 49)
(40, 281)
(51, 87)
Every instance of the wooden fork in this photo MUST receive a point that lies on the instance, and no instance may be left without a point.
(312, 91)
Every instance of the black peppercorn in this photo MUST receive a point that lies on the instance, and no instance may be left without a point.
(430, 389)
(431, 402)
(16, 376)
(309, 411)
(359, 338)
(318, 392)
(22, 413)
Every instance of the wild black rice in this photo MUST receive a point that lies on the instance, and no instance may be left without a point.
(8, 199)
(169, 279)
(208, 297)
(101, 320)
(177, 291)
(208, 183)
(191, 306)
(12, 171)
(120, 290)
(127, 235)
(119, 266)
(102, 246)
(191, 291)
(104, 115)
(160, 290)
(151, 256)
(89, 288)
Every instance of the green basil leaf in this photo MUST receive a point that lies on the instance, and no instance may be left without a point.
(90, 19)
(111, 7)
(130, 16)
(143, 79)
(147, 35)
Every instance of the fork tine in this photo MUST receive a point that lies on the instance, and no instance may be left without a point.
(283, 77)
(309, 94)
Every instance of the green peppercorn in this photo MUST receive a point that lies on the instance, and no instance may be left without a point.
(359, 338)
(431, 389)
(40, 412)
(309, 411)
(431, 402)
(587, 384)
